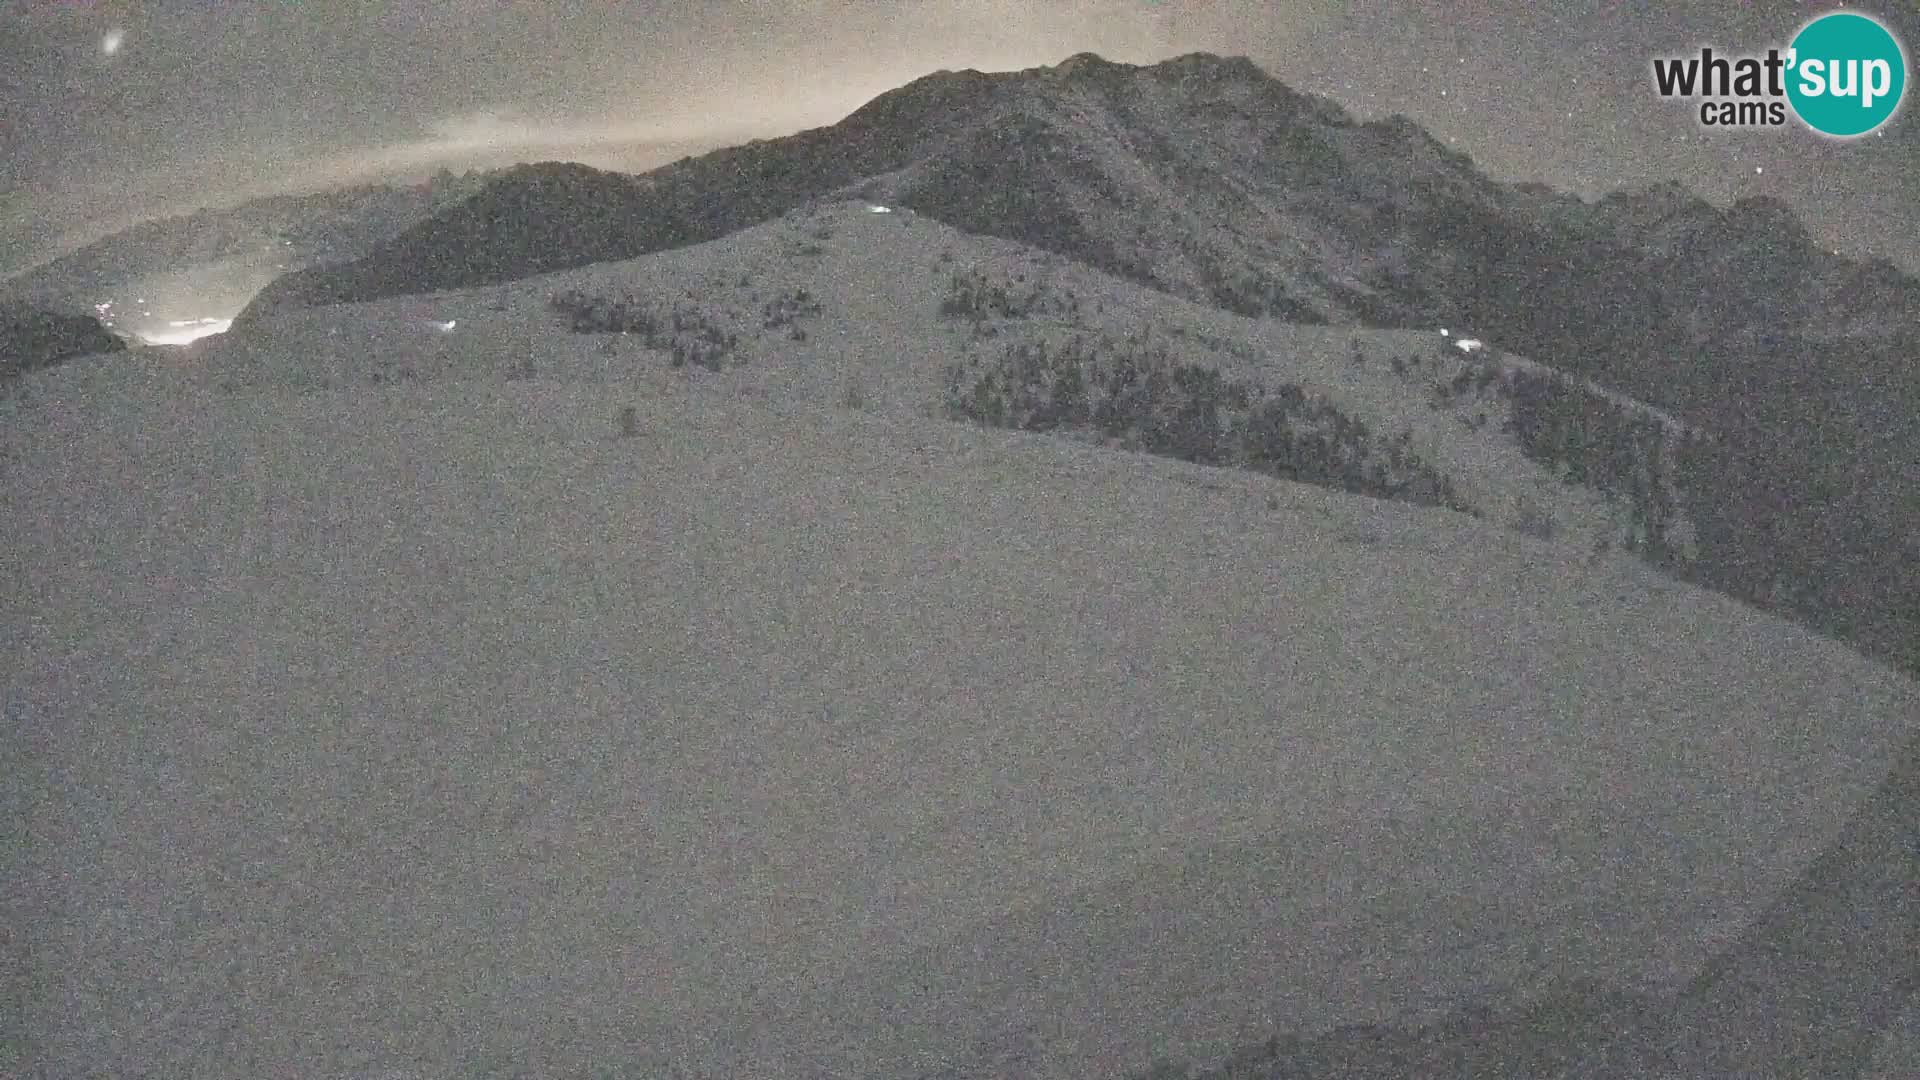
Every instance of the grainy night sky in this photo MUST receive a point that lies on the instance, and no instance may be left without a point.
(198, 102)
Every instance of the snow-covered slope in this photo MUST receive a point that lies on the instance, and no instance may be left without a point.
(433, 726)
(835, 298)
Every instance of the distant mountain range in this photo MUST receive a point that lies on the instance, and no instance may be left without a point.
(1205, 178)
(208, 264)
(1200, 176)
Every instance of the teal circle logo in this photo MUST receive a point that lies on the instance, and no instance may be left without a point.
(1846, 74)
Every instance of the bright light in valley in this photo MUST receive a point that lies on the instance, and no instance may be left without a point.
(183, 331)
(112, 41)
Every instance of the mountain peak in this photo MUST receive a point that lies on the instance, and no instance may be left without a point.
(1213, 66)
(1201, 66)
(1193, 61)
(1082, 63)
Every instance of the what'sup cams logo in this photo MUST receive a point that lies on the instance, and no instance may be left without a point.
(1843, 75)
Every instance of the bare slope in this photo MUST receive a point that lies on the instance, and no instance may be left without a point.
(433, 727)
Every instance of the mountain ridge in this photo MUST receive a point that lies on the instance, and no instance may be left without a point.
(1296, 138)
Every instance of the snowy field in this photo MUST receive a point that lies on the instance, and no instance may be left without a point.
(431, 729)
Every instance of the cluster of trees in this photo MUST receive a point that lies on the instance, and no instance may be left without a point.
(1595, 441)
(784, 309)
(1476, 378)
(1135, 392)
(682, 332)
(971, 294)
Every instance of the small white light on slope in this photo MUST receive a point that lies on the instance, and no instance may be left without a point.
(1467, 344)
(111, 42)
(879, 209)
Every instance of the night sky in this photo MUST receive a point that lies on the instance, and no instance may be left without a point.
(206, 101)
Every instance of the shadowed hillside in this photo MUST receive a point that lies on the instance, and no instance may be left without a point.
(32, 338)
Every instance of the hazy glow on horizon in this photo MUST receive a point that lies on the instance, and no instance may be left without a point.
(801, 64)
(184, 110)
(482, 139)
